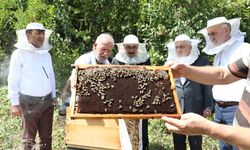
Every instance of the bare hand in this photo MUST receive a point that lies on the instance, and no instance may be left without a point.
(189, 124)
(177, 69)
(16, 110)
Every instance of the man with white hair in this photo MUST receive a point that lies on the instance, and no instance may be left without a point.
(31, 85)
(132, 52)
(193, 97)
(102, 48)
(101, 51)
(226, 42)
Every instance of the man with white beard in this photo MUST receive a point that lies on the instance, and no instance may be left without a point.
(131, 52)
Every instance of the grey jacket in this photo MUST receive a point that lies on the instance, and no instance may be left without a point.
(194, 97)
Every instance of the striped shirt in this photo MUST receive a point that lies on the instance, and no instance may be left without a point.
(240, 68)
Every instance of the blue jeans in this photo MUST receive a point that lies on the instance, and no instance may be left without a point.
(225, 115)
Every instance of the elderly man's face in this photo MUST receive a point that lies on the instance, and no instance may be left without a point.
(182, 48)
(36, 37)
(103, 50)
(131, 49)
(219, 34)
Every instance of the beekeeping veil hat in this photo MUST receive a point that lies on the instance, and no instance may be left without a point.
(131, 39)
(236, 34)
(23, 44)
(142, 55)
(194, 52)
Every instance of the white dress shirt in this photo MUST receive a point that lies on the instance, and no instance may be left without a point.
(89, 58)
(30, 73)
(233, 91)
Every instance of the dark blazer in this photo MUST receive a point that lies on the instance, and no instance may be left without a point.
(193, 96)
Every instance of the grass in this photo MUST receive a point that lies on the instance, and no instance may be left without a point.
(11, 133)
(161, 139)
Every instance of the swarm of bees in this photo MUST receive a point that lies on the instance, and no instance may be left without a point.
(95, 82)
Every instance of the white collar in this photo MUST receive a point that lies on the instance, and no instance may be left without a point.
(215, 50)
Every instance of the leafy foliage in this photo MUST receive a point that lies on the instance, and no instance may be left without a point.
(7, 20)
(8, 123)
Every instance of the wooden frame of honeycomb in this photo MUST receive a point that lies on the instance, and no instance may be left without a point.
(89, 80)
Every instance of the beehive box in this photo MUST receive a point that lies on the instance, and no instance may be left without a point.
(135, 92)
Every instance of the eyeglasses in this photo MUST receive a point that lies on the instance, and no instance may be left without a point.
(133, 47)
